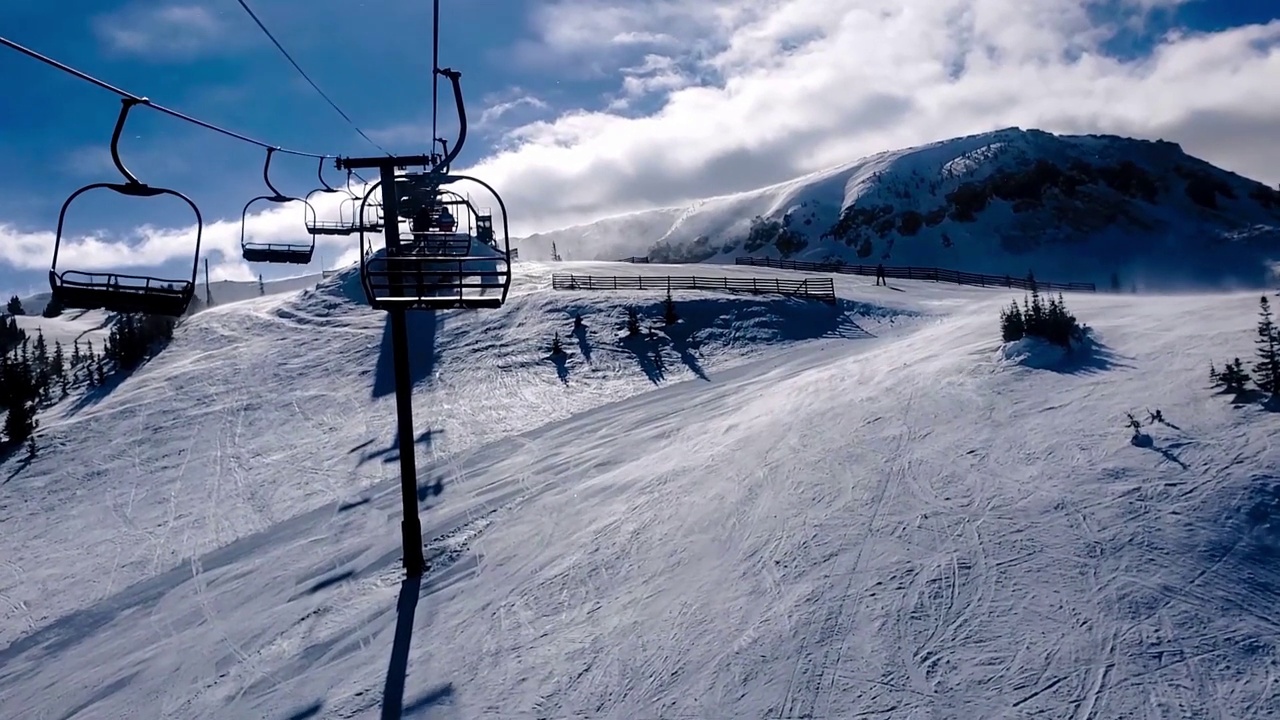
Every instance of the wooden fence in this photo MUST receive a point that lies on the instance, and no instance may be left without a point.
(643, 260)
(817, 288)
(920, 273)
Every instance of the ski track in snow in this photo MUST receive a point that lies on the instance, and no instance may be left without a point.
(895, 526)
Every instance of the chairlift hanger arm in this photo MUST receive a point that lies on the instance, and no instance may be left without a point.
(455, 80)
(324, 186)
(387, 164)
(276, 195)
(132, 186)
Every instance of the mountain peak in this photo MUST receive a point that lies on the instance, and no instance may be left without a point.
(1078, 207)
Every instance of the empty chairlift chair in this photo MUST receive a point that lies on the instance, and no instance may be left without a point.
(349, 220)
(276, 252)
(118, 292)
(429, 266)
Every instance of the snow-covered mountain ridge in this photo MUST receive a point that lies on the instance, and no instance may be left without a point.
(1070, 207)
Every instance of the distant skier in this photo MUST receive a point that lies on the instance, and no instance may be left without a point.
(880, 280)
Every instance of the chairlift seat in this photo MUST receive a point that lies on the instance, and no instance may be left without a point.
(332, 227)
(433, 282)
(337, 227)
(278, 253)
(118, 293)
(448, 244)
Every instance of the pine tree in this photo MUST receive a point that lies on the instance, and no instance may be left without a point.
(262, 288)
(1266, 372)
(20, 423)
(1233, 377)
(53, 309)
(1050, 321)
(1213, 374)
(19, 399)
(669, 310)
(76, 358)
(1012, 326)
(10, 333)
(15, 306)
(6, 381)
(58, 364)
(557, 347)
(40, 365)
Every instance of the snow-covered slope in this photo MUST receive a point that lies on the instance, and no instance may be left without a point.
(1073, 208)
(859, 510)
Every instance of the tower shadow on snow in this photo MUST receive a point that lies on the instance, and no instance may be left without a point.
(393, 703)
(398, 667)
(423, 327)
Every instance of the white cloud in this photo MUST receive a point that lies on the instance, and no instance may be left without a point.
(655, 75)
(806, 84)
(166, 32)
(748, 92)
(497, 109)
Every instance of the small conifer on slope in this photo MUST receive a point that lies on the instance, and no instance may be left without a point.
(1048, 321)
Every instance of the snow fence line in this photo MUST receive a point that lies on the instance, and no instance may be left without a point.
(817, 288)
(920, 273)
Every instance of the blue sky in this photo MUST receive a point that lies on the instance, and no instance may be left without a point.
(585, 108)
